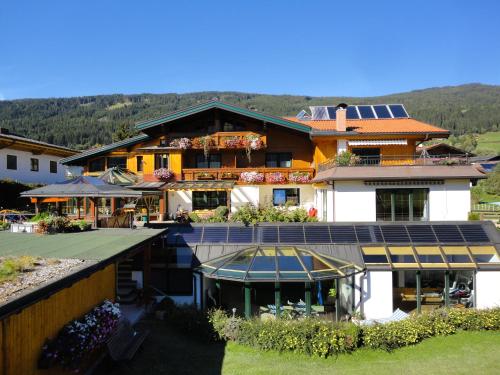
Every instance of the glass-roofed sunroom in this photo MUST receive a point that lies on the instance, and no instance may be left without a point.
(278, 265)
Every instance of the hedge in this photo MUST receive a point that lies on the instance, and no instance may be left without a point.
(321, 338)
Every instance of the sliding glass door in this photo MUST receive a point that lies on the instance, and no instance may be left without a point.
(402, 204)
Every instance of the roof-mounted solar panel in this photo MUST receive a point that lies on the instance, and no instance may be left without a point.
(332, 112)
(352, 113)
(448, 233)
(317, 234)
(395, 233)
(421, 233)
(240, 234)
(364, 234)
(292, 234)
(398, 111)
(319, 113)
(269, 234)
(343, 234)
(183, 235)
(215, 234)
(474, 233)
(382, 111)
(366, 111)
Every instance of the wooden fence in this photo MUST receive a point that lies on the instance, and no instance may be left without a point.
(23, 334)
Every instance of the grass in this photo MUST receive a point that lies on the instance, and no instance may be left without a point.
(11, 267)
(169, 352)
(489, 141)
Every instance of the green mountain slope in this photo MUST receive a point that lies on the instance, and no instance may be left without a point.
(85, 121)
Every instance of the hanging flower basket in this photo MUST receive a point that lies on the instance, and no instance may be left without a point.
(206, 143)
(163, 174)
(299, 177)
(182, 143)
(252, 142)
(275, 178)
(79, 338)
(252, 177)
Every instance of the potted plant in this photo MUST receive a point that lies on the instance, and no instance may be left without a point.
(252, 142)
(347, 159)
(299, 177)
(275, 178)
(229, 176)
(163, 174)
(206, 143)
(182, 143)
(205, 176)
(232, 142)
(252, 177)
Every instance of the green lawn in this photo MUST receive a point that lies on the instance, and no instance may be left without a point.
(489, 141)
(168, 352)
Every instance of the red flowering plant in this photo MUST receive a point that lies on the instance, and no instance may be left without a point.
(79, 338)
(163, 174)
(252, 177)
(252, 142)
(299, 177)
(182, 143)
(275, 178)
(232, 142)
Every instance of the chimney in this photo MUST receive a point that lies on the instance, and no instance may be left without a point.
(340, 116)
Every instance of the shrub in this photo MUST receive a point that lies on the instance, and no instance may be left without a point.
(474, 216)
(40, 216)
(4, 225)
(346, 158)
(249, 214)
(194, 217)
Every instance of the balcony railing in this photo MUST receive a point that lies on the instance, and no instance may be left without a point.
(288, 174)
(392, 160)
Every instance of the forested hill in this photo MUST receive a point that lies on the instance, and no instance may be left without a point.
(82, 122)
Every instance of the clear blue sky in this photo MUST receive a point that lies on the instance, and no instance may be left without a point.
(356, 48)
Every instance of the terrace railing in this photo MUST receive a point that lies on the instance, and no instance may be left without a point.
(191, 174)
(392, 160)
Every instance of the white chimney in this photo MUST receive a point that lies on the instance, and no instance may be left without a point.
(340, 116)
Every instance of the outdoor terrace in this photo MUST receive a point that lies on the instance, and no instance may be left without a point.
(190, 174)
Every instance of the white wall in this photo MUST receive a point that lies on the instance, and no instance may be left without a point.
(307, 195)
(319, 198)
(353, 201)
(487, 289)
(182, 198)
(24, 173)
(243, 194)
(450, 201)
(376, 297)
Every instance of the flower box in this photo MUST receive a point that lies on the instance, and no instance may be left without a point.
(275, 178)
(205, 176)
(229, 176)
(299, 177)
(252, 177)
(232, 142)
(182, 143)
(163, 174)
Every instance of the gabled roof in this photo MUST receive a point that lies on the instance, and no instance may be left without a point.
(227, 107)
(375, 126)
(104, 149)
(12, 139)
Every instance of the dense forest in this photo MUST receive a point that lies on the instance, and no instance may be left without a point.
(82, 122)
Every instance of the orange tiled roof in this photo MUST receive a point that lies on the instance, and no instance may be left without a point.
(400, 125)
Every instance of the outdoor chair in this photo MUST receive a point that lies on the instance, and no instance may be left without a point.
(395, 317)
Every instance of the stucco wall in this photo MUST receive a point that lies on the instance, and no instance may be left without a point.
(353, 201)
(376, 297)
(307, 198)
(182, 198)
(242, 195)
(488, 289)
(23, 172)
(450, 201)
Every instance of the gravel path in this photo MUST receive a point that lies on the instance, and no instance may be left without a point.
(45, 270)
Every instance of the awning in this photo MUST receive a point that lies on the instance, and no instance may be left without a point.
(198, 185)
(118, 176)
(377, 142)
(277, 263)
(148, 185)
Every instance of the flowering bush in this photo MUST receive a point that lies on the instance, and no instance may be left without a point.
(299, 177)
(275, 178)
(182, 143)
(347, 159)
(163, 174)
(252, 177)
(232, 142)
(80, 337)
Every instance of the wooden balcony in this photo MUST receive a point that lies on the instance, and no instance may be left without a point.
(230, 140)
(196, 174)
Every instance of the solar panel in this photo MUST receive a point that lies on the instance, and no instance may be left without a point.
(352, 113)
(398, 111)
(395, 233)
(377, 233)
(382, 111)
(448, 233)
(240, 235)
(269, 234)
(366, 111)
(474, 233)
(317, 234)
(183, 235)
(421, 233)
(332, 112)
(363, 234)
(215, 235)
(319, 113)
(343, 233)
(293, 234)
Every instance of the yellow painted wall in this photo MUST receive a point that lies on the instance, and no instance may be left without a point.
(24, 334)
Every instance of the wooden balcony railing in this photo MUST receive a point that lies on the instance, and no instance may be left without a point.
(234, 174)
(230, 140)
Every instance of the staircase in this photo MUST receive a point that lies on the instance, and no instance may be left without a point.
(126, 287)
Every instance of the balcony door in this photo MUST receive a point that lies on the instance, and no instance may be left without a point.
(402, 204)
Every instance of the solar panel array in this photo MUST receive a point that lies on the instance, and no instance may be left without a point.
(327, 234)
(357, 112)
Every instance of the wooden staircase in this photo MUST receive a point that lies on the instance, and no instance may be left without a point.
(126, 287)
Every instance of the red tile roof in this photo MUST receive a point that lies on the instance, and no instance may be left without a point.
(372, 126)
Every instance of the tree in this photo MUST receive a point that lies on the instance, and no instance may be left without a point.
(492, 184)
(123, 131)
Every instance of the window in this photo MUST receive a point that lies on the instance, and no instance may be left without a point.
(212, 161)
(139, 160)
(161, 161)
(286, 196)
(402, 204)
(34, 165)
(53, 166)
(367, 155)
(279, 160)
(117, 161)
(12, 162)
(209, 200)
(97, 165)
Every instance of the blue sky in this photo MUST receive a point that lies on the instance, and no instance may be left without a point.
(353, 48)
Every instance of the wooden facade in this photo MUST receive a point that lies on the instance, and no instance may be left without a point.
(23, 334)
